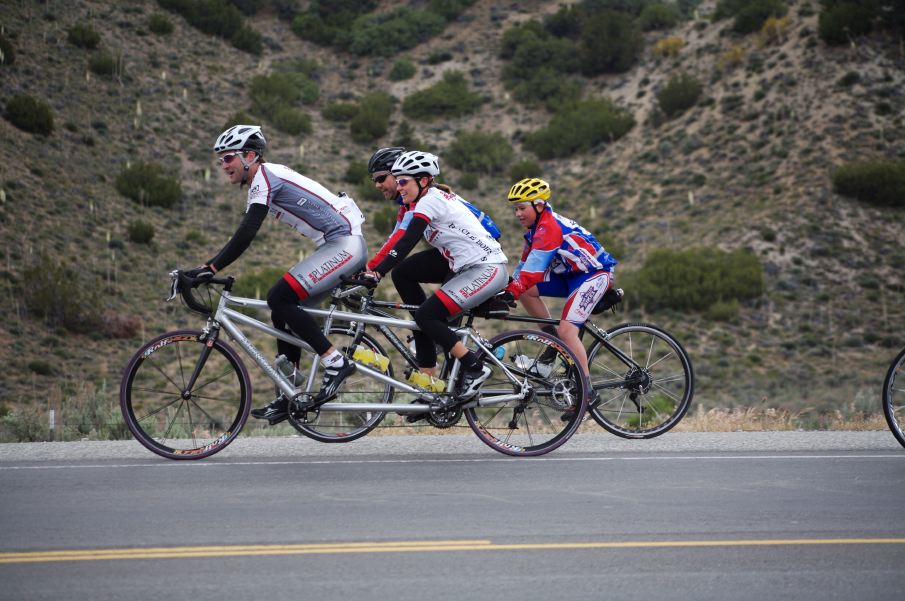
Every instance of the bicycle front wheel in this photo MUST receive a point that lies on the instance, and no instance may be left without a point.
(327, 425)
(643, 378)
(553, 407)
(177, 421)
(894, 397)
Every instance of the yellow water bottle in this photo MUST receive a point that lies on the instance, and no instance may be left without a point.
(427, 382)
(372, 358)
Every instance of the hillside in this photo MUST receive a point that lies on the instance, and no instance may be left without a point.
(747, 167)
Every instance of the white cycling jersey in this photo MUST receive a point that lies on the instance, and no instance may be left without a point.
(304, 205)
(455, 231)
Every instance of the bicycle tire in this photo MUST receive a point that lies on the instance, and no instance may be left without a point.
(160, 415)
(894, 398)
(346, 426)
(643, 403)
(546, 419)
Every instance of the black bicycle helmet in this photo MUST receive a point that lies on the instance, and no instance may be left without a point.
(384, 158)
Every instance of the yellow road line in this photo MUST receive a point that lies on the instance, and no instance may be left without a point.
(404, 547)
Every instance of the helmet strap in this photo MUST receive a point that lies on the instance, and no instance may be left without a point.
(245, 167)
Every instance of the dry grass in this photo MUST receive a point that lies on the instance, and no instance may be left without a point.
(751, 419)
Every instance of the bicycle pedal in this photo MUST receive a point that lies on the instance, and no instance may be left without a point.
(278, 420)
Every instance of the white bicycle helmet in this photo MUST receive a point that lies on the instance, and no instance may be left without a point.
(242, 137)
(416, 162)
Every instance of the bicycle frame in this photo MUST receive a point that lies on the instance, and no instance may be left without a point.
(229, 319)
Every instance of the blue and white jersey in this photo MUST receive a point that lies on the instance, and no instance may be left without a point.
(304, 205)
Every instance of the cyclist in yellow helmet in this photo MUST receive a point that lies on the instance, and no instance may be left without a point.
(560, 259)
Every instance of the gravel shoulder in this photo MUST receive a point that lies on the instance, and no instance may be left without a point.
(412, 446)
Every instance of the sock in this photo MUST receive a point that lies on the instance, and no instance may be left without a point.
(334, 359)
(470, 361)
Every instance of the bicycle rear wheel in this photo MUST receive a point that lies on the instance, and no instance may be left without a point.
(552, 411)
(175, 422)
(647, 396)
(326, 425)
(894, 397)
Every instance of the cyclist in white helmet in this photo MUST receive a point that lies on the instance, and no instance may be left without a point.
(331, 221)
(466, 260)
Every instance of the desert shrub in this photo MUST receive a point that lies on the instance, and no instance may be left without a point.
(292, 120)
(695, 279)
(849, 79)
(774, 30)
(385, 219)
(271, 92)
(479, 152)
(257, 283)
(340, 112)
(539, 64)
(405, 136)
(373, 118)
(659, 16)
(147, 183)
(449, 97)
(29, 114)
(669, 47)
(24, 426)
(579, 127)
(41, 367)
(83, 36)
(240, 118)
(402, 69)
(386, 34)
(325, 21)
(356, 172)
(7, 51)
(449, 9)
(876, 182)
(610, 43)
(749, 15)
(679, 94)
(61, 295)
(218, 18)
(117, 325)
(140, 232)
(104, 63)
(523, 169)
(159, 23)
(841, 21)
(732, 57)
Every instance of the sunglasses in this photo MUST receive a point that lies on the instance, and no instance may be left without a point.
(379, 179)
(403, 181)
(228, 158)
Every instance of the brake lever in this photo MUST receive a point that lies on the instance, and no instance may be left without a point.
(174, 285)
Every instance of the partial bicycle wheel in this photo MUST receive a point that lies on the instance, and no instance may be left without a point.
(554, 407)
(894, 397)
(327, 425)
(173, 420)
(643, 378)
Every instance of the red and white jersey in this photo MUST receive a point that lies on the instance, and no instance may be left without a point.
(455, 231)
(305, 205)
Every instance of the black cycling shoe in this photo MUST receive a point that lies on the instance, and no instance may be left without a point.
(593, 401)
(333, 377)
(275, 412)
(472, 380)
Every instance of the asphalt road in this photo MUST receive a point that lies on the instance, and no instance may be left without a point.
(685, 516)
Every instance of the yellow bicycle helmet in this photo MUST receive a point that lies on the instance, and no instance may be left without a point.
(530, 189)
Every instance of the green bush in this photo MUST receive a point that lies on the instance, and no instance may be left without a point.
(373, 118)
(257, 283)
(479, 152)
(29, 114)
(240, 118)
(659, 16)
(271, 92)
(524, 169)
(838, 23)
(341, 112)
(325, 22)
(385, 219)
(695, 279)
(611, 42)
(159, 23)
(749, 15)
(61, 295)
(83, 36)
(140, 232)
(877, 182)
(356, 172)
(7, 51)
(218, 18)
(679, 94)
(41, 367)
(539, 64)
(402, 69)
(388, 33)
(147, 183)
(447, 98)
(579, 127)
(294, 121)
(104, 63)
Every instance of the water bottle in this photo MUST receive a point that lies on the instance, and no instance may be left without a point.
(369, 357)
(499, 352)
(425, 381)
